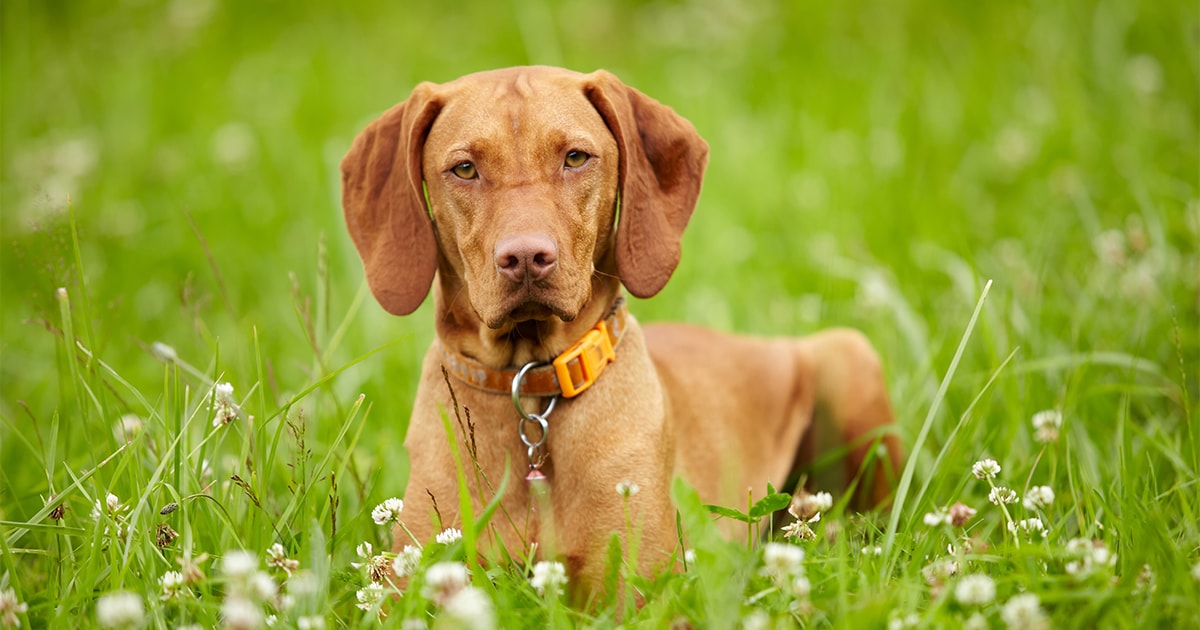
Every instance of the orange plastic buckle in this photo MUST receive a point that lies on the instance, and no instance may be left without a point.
(593, 353)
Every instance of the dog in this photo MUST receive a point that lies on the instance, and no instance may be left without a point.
(527, 198)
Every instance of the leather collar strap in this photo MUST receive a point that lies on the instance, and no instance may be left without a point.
(568, 375)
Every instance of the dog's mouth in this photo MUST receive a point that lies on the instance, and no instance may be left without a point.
(530, 310)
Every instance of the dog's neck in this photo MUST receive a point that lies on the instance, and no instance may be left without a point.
(513, 344)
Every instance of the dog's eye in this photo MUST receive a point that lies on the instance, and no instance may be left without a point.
(575, 159)
(466, 170)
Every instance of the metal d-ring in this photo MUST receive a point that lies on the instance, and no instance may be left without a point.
(516, 395)
(542, 424)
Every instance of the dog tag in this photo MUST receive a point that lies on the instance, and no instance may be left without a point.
(535, 476)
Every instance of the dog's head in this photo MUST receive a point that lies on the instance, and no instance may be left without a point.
(522, 169)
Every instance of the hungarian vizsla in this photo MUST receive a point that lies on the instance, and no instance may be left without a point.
(526, 197)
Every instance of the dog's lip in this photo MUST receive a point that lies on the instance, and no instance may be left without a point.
(530, 309)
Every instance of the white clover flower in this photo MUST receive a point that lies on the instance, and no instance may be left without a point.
(782, 561)
(1092, 555)
(303, 584)
(364, 550)
(975, 590)
(388, 511)
(239, 564)
(443, 580)
(1046, 425)
(1001, 495)
(985, 469)
(911, 620)
(627, 489)
(756, 620)
(172, 584)
(407, 561)
(1079, 546)
(225, 408)
(449, 536)
(311, 623)
(10, 607)
(689, 556)
(261, 586)
(369, 595)
(1147, 581)
(808, 507)
(960, 513)
(938, 517)
(548, 576)
(111, 506)
(277, 557)
(239, 613)
(872, 550)
(270, 620)
(1038, 497)
(801, 529)
(121, 609)
(127, 428)
(1028, 526)
(822, 501)
(1144, 73)
(800, 587)
(376, 566)
(1024, 612)
(471, 608)
(940, 571)
(976, 622)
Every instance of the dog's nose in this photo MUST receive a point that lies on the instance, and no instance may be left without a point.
(522, 256)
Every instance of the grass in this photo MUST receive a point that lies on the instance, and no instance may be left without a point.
(172, 168)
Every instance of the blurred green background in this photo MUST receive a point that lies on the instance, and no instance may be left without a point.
(872, 164)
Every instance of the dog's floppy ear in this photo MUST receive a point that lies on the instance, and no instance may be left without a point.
(661, 164)
(384, 202)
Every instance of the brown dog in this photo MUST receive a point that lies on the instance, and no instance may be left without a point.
(548, 190)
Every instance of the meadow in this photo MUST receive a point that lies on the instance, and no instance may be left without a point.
(1003, 196)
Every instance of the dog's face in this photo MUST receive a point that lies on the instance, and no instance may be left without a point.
(523, 168)
(522, 179)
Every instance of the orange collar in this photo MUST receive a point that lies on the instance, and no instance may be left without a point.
(568, 375)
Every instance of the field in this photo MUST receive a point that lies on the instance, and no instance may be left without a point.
(1005, 196)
